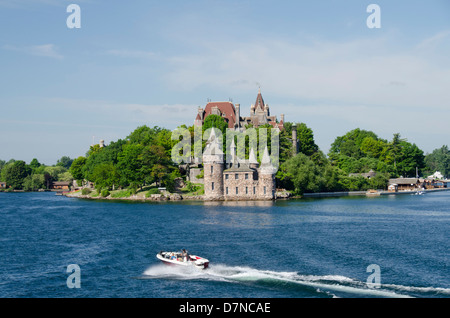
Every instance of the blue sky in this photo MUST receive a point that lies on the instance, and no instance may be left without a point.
(154, 62)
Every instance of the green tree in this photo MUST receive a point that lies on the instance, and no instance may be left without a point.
(394, 151)
(65, 162)
(438, 160)
(130, 167)
(144, 135)
(105, 176)
(350, 144)
(15, 173)
(55, 172)
(65, 176)
(155, 164)
(215, 121)
(379, 181)
(304, 174)
(76, 169)
(354, 183)
(34, 182)
(35, 164)
(372, 147)
(93, 150)
(306, 143)
(409, 159)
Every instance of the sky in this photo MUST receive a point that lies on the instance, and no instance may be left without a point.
(154, 63)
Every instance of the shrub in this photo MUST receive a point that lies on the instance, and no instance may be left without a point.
(121, 194)
(191, 187)
(152, 191)
(86, 191)
(105, 193)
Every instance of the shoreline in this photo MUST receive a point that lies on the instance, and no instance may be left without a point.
(367, 193)
(199, 198)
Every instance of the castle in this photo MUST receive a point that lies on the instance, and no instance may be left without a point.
(259, 114)
(239, 180)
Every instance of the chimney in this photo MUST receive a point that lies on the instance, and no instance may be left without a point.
(294, 140)
(238, 115)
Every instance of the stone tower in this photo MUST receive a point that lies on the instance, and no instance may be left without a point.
(213, 166)
(294, 140)
(266, 178)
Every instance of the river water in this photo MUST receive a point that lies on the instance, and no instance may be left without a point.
(388, 246)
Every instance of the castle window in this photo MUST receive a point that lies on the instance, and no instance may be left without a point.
(264, 190)
(237, 190)
(236, 176)
(254, 190)
(246, 176)
(212, 169)
(246, 190)
(226, 189)
(226, 177)
(212, 186)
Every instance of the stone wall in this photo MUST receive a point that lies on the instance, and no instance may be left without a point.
(213, 181)
(247, 188)
(266, 186)
(193, 173)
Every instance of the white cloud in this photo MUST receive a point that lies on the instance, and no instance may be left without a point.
(358, 71)
(103, 113)
(433, 41)
(44, 50)
(333, 87)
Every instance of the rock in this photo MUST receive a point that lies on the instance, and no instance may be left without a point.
(175, 197)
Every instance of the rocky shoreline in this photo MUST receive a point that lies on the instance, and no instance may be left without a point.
(153, 197)
(280, 196)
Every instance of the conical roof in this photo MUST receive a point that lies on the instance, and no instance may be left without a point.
(259, 101)
(266, 164)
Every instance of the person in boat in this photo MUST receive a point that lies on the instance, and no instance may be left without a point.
(172, 256)
(185, 255)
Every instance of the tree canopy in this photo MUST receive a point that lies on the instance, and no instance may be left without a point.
(360, 151)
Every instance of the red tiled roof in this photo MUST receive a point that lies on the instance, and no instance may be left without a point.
(226, 108)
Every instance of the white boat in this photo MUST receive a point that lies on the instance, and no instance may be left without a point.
(182, 259)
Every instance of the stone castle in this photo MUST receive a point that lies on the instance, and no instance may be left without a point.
(259, 114)
(238, 180)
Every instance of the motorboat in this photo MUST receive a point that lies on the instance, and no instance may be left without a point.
(182, 259)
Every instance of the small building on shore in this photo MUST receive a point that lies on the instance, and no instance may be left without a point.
(405, 184)
(2, 185)
(415, 184)
(60, 185)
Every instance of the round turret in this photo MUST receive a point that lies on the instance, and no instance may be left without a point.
(213, 169)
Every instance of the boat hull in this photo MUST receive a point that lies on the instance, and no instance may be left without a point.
(193, 261)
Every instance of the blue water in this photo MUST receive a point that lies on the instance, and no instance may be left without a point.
(297, 248)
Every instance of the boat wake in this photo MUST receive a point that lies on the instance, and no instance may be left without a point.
(327, 285)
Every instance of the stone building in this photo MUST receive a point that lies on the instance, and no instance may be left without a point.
(259, 114)
(239, 180)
